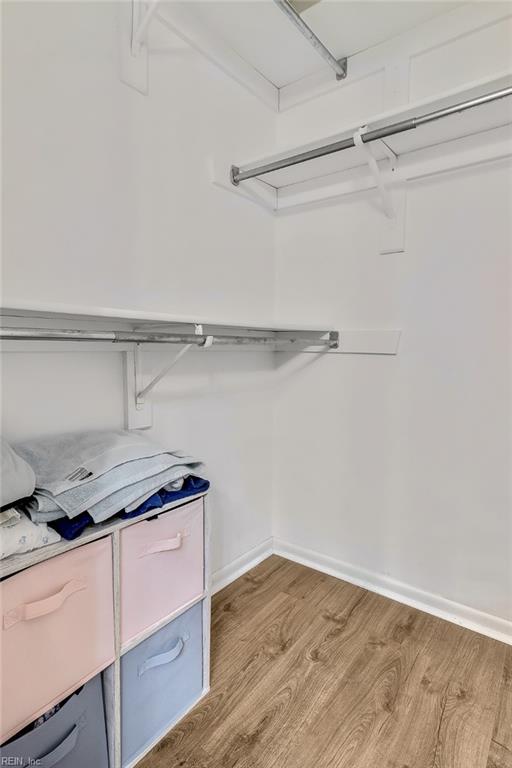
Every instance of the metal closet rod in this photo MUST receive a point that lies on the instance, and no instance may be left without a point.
(250, 172)
(340, 67)
(143, 337)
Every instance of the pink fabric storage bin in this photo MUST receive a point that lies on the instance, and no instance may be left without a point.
(57, 631)
(161, 567)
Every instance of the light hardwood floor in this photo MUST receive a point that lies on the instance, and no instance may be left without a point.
(312, 672)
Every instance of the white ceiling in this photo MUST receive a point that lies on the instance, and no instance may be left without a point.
(262, 35)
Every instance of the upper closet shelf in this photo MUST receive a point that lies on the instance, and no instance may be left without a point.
(461, 128)
(43, 322)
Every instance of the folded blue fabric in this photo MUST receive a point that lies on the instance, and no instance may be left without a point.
(154, 502)
(71, 529)
(191, 486)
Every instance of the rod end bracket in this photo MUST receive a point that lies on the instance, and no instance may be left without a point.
(233, 175)
(334, 339)
(344, 65)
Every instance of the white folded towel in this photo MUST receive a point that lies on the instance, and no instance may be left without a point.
(99, 472)
(62, 462)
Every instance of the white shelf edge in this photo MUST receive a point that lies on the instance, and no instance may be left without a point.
(20, 308)
(134, 642)
(378, 341)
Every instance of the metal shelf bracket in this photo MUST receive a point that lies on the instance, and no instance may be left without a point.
(140, 23)
(138, 414)
(385, 194)
(393, 196)
(142, 392)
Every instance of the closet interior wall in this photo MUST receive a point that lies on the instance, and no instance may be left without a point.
(108, 202)
(393, 471)
(404, 484)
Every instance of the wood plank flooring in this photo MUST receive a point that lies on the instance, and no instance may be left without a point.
(312, 672)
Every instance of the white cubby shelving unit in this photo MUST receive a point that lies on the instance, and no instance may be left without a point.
(112, 675)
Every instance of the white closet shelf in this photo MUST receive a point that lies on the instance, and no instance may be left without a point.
(22, 314)
(29, 327)
(444, 143)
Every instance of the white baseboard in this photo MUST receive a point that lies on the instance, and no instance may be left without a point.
(241, 565)
(457, 613)
(463, 615)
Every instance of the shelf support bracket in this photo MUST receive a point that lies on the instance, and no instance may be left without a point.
(134, 18)
(138, 414)
(140, 23)
(385, 194)
(141, 393)
(393, 200)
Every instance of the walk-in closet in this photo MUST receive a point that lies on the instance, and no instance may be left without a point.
(256, 384)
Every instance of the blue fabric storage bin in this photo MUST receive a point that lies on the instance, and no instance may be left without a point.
(74, 737)
(160, 678)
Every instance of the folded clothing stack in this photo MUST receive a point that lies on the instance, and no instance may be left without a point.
(70, 529)
(18, 533)
(84, 478)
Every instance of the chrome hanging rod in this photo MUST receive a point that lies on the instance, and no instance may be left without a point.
(340, 67)
(146, 337)
(250, 172)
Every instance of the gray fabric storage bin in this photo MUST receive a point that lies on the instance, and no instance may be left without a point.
(74, 737)
(160, 678)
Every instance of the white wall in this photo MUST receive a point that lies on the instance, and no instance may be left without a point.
(107, 202)
(397, 470)
(394, 468)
